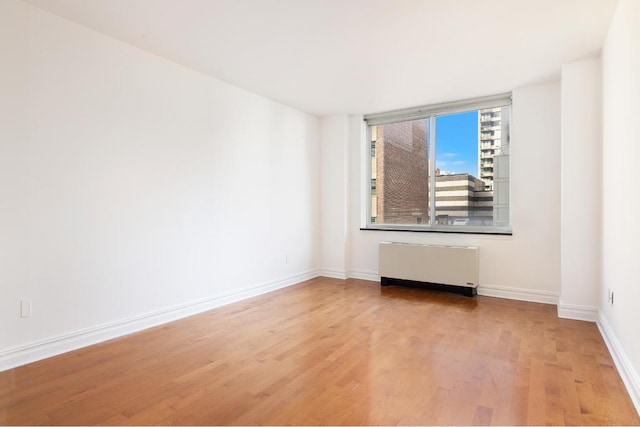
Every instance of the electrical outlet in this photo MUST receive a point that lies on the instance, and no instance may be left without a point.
(25, 308)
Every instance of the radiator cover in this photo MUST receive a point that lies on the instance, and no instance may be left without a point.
(430, 264)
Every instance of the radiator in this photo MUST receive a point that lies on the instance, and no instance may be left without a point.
(444, 265)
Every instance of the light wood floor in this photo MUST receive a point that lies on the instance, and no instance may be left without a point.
(334, 352)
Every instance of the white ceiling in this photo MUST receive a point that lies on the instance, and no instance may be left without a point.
(357, 56)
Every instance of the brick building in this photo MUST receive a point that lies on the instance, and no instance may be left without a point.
(400, 173)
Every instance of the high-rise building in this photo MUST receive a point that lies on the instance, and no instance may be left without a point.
(493, 158)
(490, 141)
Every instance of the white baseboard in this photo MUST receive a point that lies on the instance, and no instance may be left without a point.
(577, 312)
(343, 275)
(332, 273)
(531, 295)
(364, 275)
(628, 374)
(54, 346)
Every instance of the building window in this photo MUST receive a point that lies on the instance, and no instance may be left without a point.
(441, 168)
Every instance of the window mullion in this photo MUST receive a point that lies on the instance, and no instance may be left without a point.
(432, 170)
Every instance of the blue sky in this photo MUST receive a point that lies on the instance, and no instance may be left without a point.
(457, 143)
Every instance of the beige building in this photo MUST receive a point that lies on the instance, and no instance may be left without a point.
(461, 199)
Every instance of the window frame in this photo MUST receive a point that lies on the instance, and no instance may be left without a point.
(431, 112)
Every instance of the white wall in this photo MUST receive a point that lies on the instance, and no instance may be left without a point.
(333, 239)
(621, 197)
(525, 265)
(581, 189)
(130, 184)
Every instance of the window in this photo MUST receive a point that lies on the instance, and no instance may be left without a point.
(441, 168)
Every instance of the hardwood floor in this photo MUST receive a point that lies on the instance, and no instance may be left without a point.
(334, 352)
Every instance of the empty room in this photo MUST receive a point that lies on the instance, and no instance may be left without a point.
(319, 212)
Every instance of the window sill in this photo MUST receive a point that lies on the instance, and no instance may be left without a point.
(450, 230)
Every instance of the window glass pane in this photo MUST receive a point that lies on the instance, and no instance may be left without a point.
(471, 167)
(401, 170)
